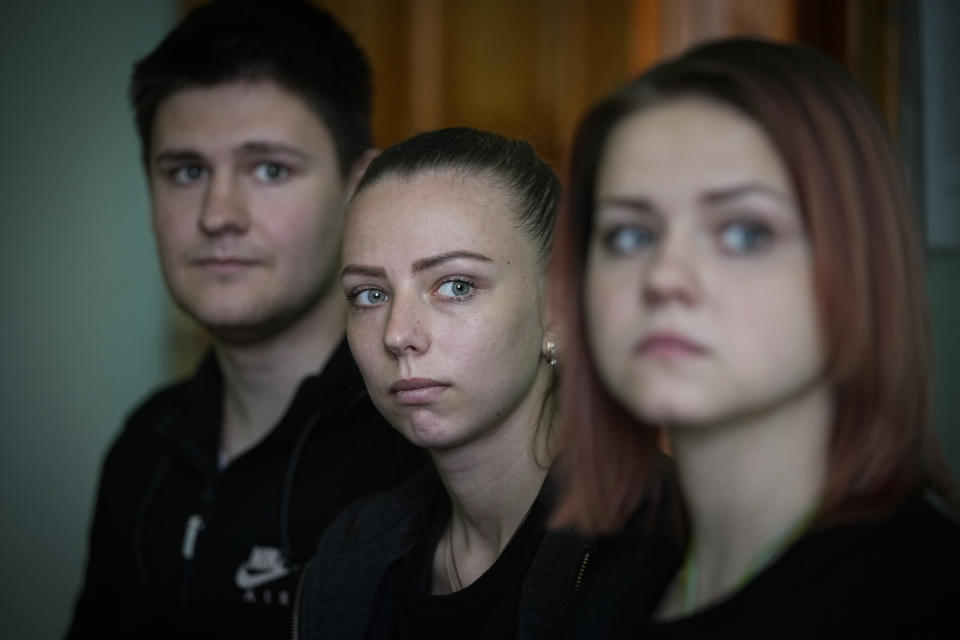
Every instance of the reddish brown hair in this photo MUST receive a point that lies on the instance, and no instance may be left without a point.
(868, 279)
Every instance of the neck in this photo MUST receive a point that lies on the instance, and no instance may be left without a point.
(260, 378)
(492, 483)
(746, 485)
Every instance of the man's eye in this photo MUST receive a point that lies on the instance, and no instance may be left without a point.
(271, 172)
(458, 289)
(187, 174)
(628, 239)
(745, 237)
(368, 297)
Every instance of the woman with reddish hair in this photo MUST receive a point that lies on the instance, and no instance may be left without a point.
(741, 248)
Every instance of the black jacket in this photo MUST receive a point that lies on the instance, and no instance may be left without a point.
(339, 586)
(179, 548)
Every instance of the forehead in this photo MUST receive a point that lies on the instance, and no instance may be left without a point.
(233, 112)
(685, 144)
(406, 219)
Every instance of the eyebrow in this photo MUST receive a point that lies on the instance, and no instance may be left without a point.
(258, 147)
(251, 148)
(638, 205)
(176, 155)
(419, 265)
(712, 197)
(432, 261)
(719, 196)
(363, 270)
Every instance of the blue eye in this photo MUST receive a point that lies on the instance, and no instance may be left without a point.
(457, 289)
(628, 239)
(367, 297)
(745, 237)
(187, 173)
(271, 172)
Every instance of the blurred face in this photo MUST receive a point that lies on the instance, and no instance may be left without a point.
(247, 202)
(699, 300)
(445, 305)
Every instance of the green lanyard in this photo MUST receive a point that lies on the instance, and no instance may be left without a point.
(690, 573)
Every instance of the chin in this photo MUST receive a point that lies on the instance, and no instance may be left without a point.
(427, 434)
(675, 419)
(671, 410)
(243, 321)
(238, 328)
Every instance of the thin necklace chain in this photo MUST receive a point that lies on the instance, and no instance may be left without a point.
(690, 573)
(450, 566)
(456, 584)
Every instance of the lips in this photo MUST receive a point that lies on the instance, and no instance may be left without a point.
(222, 263)
(224, 259)
(224, 267)
(668, 345)
(417, 391)
(223, 254)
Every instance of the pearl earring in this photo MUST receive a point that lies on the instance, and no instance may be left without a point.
(551, 353)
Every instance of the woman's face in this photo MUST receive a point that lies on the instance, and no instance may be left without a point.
(445, 317)
(699, 299)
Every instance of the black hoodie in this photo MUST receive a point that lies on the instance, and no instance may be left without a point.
(179, 548)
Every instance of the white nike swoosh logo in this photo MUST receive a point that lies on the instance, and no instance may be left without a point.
(248, 580)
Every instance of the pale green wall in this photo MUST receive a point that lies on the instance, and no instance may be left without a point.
(932, 103)
(943, 276)
(83, 321)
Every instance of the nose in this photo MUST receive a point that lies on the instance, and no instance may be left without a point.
(224, 207)
(673, 275)
(406, 333)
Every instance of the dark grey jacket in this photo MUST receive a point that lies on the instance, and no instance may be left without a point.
(337, 591)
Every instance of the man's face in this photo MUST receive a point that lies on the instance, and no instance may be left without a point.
(248, 203)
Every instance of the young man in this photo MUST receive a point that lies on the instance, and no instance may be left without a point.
(254, 122)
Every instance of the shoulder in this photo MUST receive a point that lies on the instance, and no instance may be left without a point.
(337, 397)
(141, 429)
(348, 437)
(340, 581)
(921, 543)
(156, 405)
(390, 513)
(165, 406)
(894, 577)
(929, 515)
(917, 548)
(147, 430)
(921, 538)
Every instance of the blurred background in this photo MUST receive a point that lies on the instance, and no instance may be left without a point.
(88, 329)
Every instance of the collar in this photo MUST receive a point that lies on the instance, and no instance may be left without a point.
(192, 425)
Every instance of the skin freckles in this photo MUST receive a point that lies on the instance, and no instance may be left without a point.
(699, 295)
(248, 201)
(440, 287)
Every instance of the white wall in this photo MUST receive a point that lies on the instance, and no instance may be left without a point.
(82, 331)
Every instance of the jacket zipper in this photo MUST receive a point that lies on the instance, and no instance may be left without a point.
(295, 626)
(583, 568)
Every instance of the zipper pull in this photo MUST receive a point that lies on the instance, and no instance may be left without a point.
(194, 527)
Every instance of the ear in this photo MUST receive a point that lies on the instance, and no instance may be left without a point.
(359, 168)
